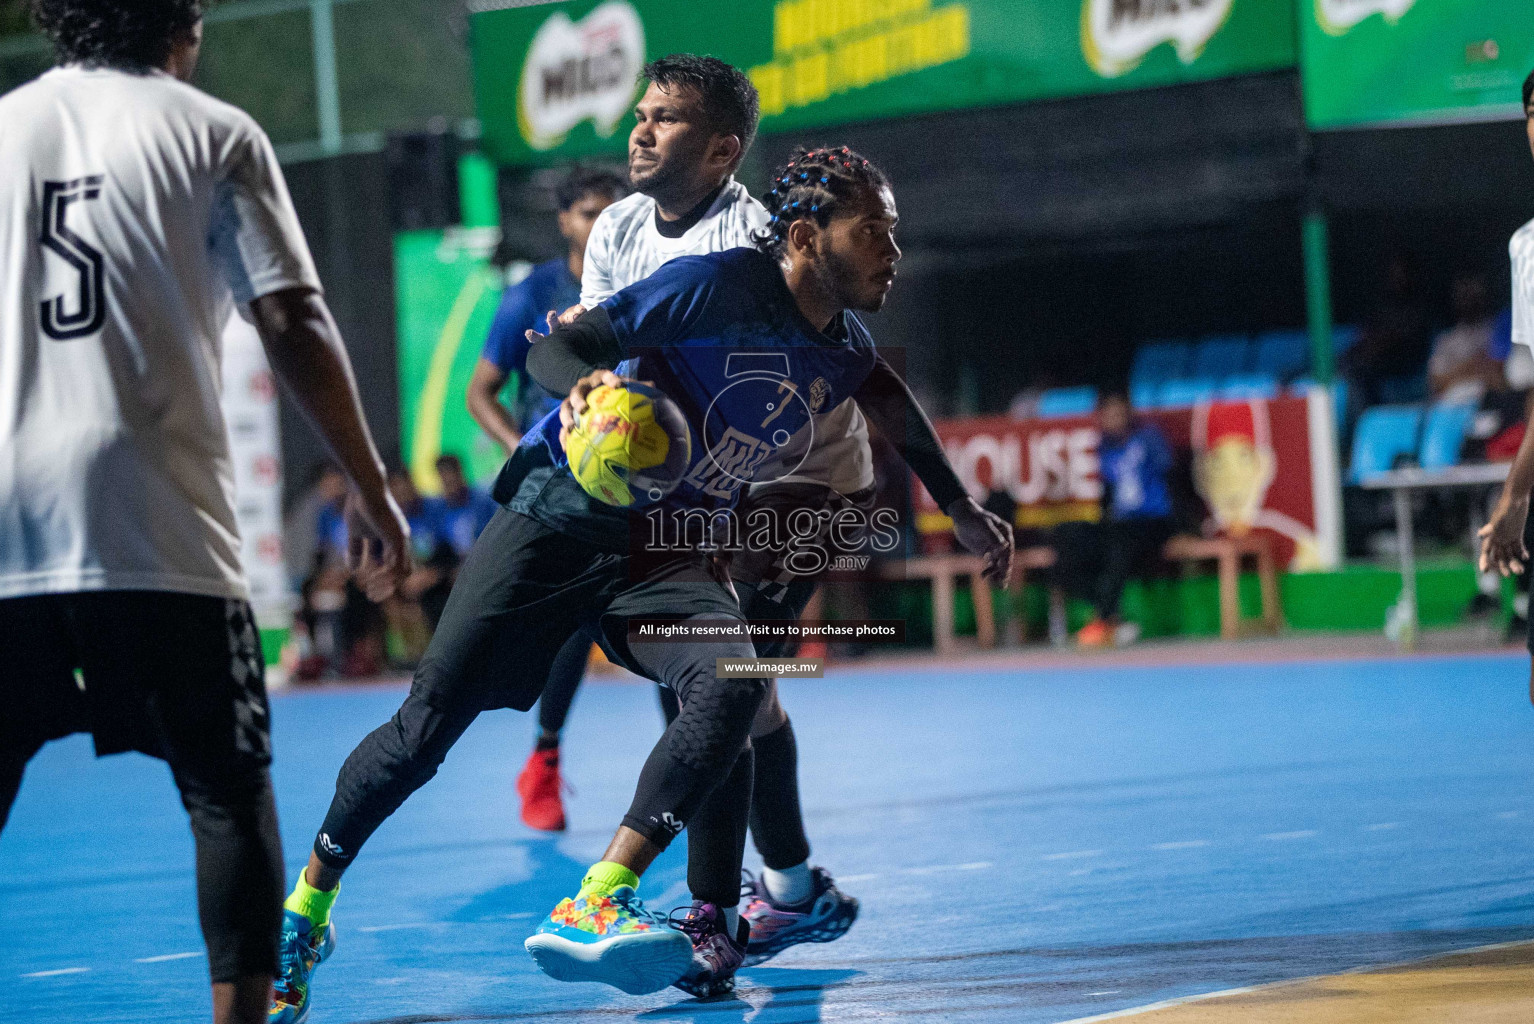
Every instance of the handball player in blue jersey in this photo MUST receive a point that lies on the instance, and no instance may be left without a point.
(554, 561)
(556, 284)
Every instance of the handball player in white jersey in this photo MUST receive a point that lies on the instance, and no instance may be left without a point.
(135, 213)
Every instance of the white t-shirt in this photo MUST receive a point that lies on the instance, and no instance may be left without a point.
(626, 247)
(1521, 249)
(134, 210)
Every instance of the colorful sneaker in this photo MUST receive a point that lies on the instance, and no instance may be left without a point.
(611, 939)
(539, 786)
(824, 917)
(301, 951)
(716, 955)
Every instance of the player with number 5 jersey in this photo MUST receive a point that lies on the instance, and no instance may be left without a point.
(136, 213)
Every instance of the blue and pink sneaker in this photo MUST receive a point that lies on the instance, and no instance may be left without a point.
(716, 954)
(612, 939)
(824, 916)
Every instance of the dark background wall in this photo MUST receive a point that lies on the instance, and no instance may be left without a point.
(343, 204)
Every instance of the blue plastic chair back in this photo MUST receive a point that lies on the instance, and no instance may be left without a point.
(1284, 354)
(1144, 394)
(1344, 337)
(1157, 361)
(1443, 435)
(1067, 402)
(1384, 434)
(1248, 385)
(1221, 357)
(1189, 391)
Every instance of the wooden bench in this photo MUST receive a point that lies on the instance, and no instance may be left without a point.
(1228, 552)
(945, 570)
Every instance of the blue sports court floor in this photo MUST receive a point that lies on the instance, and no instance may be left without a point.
(1029, 847)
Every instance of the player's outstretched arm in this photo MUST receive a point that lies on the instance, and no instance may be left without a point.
(1502, 546)
(888, 403)
(304, 347)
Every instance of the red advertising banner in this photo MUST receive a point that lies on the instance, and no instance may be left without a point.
(1251, 463)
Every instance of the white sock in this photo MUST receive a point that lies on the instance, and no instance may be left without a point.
(731, 920)
(791, 885)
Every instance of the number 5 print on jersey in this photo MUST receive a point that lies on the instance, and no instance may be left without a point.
(83, 257)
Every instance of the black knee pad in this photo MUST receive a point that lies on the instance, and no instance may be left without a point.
(715, 722)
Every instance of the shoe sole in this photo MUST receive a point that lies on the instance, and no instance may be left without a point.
(634, 964)
(828, 931)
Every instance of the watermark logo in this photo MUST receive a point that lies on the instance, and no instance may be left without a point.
(1117, 34)
(1338, 16)
(580, 70)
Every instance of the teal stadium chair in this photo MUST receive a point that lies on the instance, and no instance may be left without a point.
(1175, 394)
(1221, 357)
(1384, 434)
(1157, 361)
(1344, 338)
(1443, 435)
(1248, 385)
(1284, 354)
(1067, 402)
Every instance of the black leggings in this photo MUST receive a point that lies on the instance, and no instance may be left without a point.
(695, 775)
(175, 676)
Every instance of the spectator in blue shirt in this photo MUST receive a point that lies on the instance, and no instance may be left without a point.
(1136, 520)
(555, 285)
(462, 511)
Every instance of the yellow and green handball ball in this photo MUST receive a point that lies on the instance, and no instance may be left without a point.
(631, 447)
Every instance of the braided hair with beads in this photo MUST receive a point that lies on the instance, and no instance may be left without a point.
(815, 183)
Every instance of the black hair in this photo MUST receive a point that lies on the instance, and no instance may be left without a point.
(1114, 394)
(450, 459)
(729, 98)
(134, 35)
(814, 184)
(584, 181)
(1528, 92)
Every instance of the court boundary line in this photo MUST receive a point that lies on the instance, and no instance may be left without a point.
(1168, 1004)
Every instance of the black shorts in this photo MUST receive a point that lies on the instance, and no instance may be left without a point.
(525, 588)
(175, 676)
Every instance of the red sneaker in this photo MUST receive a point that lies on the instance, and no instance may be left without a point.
(1096, 633)
(539, 787)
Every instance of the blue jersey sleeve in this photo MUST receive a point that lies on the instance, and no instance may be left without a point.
(522, 309)
(668, 304)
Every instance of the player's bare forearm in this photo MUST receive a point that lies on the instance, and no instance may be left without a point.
(487, 409)
(304, 347)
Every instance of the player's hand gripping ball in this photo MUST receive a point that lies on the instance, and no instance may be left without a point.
(631, 447)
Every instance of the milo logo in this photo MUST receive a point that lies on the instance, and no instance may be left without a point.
(1117, 34)
(580, 70)
(1337, 16)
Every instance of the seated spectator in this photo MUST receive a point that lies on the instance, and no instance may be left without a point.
(1394, 339)
(462, 511)
(1136, 522)
(343, 629)
(416, 608)
(1462, 367)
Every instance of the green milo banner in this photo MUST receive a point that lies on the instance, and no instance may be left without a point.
(446, 294)
(1425, 61)
(557, 81)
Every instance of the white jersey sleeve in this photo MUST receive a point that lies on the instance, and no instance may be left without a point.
(256, 241)
(626, 246)
(1521, 249)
